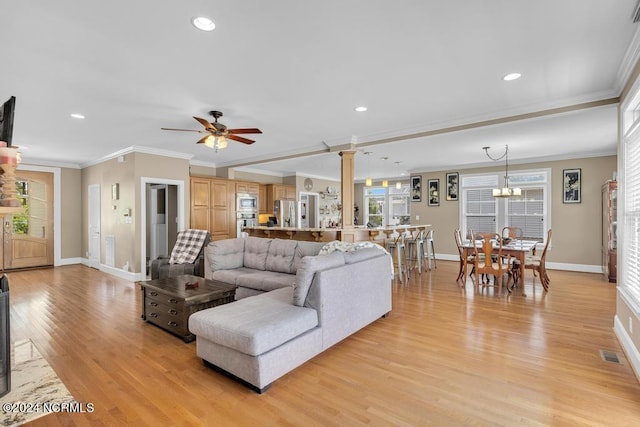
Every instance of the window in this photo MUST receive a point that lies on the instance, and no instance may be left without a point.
(386, 206)
(374, 198)
(629, 206)
(483, 213)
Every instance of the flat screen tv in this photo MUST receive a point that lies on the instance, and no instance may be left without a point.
(6, 120)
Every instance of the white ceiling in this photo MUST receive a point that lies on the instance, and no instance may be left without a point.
(296, 70)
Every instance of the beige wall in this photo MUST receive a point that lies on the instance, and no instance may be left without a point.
(128, 175)
(71, 213)
(576, 227)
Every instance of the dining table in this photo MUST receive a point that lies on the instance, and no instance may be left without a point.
(517, 249)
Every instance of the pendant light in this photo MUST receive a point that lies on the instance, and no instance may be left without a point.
(505, 191)
(367, 182)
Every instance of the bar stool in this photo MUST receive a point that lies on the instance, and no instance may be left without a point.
(430, 252)
(416, 246)
(397, 248)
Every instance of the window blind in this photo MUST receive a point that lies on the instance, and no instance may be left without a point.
(527, 213)
(629, 261)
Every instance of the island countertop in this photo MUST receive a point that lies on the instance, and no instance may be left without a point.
(358, 233)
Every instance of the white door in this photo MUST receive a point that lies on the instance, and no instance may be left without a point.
(94, 225)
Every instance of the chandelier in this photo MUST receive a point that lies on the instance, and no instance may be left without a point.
(505, 191)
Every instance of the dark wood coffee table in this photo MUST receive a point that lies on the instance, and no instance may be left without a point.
(168, 304)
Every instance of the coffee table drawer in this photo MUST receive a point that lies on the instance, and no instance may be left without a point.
(167, 319)
(165, 299)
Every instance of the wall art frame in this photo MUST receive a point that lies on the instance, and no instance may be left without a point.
(452, 186)
(433, 192)
(416, 188)
(572, 185)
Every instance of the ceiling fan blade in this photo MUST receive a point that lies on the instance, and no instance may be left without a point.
(203, 140)
(246, 130)
(240, 139)
(205, 123)
(186, 130)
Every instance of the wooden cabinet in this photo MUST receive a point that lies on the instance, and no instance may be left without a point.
(212, 206)
(610, 230)
(278, 192)
(247, 187)
(262, 199)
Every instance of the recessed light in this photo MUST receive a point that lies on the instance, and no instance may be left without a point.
(360, 109)
(512, 76)
(77, 116)
(203, 23)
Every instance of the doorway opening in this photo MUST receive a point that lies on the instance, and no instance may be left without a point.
(162, 217)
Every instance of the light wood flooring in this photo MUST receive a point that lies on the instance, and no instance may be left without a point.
(444, 356)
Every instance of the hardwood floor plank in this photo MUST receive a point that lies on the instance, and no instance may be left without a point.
(444, 356)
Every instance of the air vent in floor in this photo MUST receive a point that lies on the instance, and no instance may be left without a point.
(610, 356)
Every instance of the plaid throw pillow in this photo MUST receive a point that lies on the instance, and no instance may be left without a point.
(188, 245)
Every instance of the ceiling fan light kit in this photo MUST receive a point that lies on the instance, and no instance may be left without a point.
(218, 134)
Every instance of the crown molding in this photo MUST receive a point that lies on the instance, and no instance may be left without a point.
(138, 149)
(629, 62)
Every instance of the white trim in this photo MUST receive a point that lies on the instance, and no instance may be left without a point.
(630, 350)
(631, 302)
(629, 61)
(57, 208)
(76, 260)
(143, 214)
(138, 149)
(44, 162)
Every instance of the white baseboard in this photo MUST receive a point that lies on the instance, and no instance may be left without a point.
(69, 261)
(118, 272)
(583, 268)
(630, 350)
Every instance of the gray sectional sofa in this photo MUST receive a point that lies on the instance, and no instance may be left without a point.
(292, 304)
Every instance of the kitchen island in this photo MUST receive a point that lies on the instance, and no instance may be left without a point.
(352, 234)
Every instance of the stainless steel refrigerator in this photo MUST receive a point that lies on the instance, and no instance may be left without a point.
(287, 213)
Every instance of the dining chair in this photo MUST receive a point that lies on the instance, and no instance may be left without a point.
(513, 233)
(464, 263)
(537, 263)
(490, 260)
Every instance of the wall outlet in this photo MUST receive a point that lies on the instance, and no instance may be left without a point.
(630, 325)
(417, 217)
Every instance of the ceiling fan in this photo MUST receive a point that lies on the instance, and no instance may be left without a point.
(217, 133)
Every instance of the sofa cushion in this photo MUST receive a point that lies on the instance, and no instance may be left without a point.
(266, 280)
(231, 276)
(255, 252)
(256, 324)
(305, 249)
(307, 269)
(280, 255)
(225, 254)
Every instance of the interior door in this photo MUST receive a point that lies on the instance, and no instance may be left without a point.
(94, 225)
(28, 236)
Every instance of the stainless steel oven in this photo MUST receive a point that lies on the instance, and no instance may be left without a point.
(245, 219)
(246, 202)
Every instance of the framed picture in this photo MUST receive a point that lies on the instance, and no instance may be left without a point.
(434, 192)
(416, 188)
(452, 186)
(572, 185)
